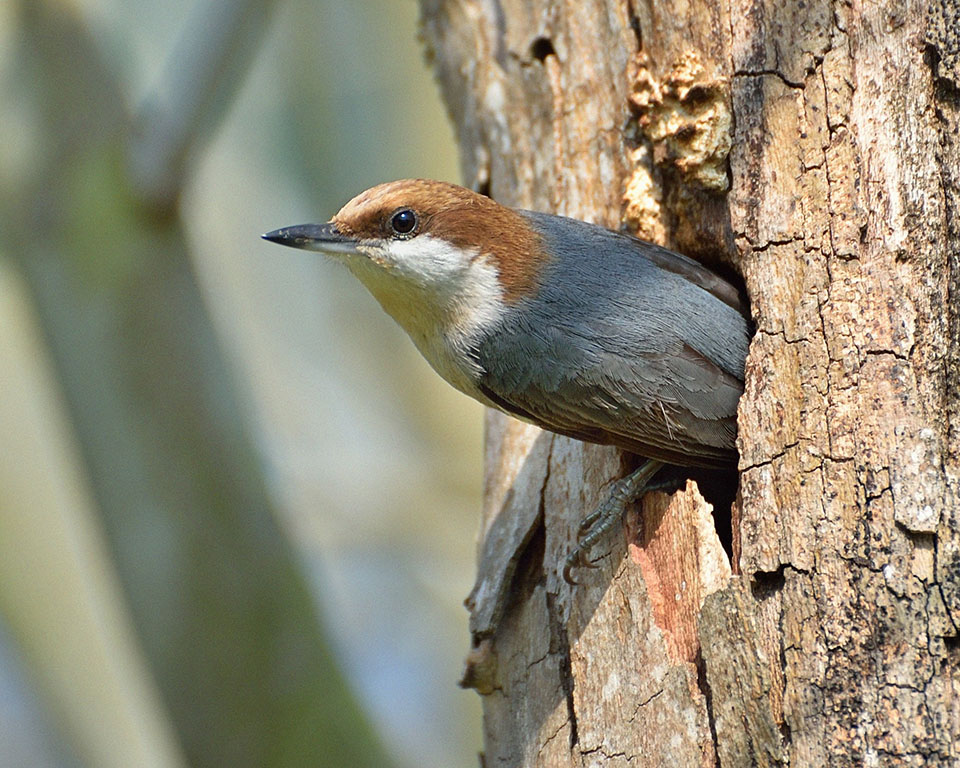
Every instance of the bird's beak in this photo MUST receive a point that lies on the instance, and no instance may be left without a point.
(325, 238)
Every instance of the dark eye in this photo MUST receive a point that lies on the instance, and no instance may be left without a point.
(403, 222)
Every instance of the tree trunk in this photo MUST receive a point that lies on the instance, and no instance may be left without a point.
(812, 148)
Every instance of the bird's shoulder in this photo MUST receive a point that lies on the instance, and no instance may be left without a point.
(571, 239)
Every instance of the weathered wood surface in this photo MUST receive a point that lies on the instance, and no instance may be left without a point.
(814, 148)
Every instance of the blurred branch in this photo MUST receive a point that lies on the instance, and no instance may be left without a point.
(203, 73)
(220, 603)
(58, 590)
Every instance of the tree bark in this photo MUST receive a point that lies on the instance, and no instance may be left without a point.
(812, 148)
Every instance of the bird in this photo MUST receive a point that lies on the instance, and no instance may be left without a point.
(579, 329)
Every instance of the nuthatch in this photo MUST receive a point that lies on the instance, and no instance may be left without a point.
(578, 329)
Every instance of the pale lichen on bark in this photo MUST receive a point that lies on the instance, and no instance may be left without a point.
(686, 117)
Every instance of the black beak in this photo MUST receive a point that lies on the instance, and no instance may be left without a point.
(313, 237)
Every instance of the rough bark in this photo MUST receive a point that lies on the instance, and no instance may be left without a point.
(812, 148)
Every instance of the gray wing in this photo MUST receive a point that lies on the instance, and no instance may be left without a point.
(677, 406)
(622, 351)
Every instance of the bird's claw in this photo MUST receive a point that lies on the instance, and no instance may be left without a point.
(576, 559)
(595, 525)
(591, 530)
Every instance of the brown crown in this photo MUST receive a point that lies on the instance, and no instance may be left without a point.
(463, 218)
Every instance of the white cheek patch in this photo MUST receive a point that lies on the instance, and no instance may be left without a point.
(428, 260)
(466, 288)
(481, 299)
(441, 295)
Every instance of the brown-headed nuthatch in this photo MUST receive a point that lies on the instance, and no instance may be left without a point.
(584, 331)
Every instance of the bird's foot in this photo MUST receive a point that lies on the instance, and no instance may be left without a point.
(596, 525)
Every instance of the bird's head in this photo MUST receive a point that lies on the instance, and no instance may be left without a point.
(429, 251)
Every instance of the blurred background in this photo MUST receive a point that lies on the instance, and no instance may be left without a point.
(237, 510)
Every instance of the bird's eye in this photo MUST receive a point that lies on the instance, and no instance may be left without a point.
(403, 222)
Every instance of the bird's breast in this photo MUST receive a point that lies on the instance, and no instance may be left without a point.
(446, 320)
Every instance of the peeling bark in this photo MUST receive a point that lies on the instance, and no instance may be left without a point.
(813, 148)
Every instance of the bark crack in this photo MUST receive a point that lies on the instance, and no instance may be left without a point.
(771, 72)
(704, 685)
(767, 461)
(552, 736)
(560, 645)
(559, 639)
(635, 24)
(644, 703)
